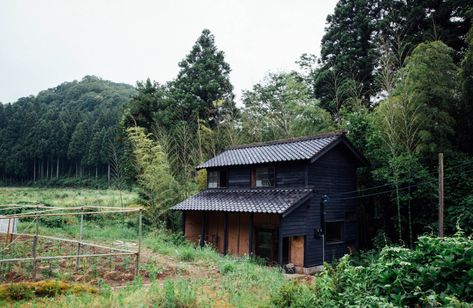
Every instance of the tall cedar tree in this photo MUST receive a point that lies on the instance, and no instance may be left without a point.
(204, 80)
(465, 108)
(358, 29)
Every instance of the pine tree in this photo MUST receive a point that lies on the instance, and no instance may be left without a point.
(203, 79)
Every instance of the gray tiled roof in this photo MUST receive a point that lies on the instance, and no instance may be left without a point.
(244, 200)
(275, 151)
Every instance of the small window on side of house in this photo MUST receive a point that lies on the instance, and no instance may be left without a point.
(217, 179)
(334, 231)
(213, 179)
(262, 177)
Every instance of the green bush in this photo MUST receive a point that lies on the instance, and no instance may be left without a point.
(439, 271)
(187, 254)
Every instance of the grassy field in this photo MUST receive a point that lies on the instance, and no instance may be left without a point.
(66, 196)
(172, 274)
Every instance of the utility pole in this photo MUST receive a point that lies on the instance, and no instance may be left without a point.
(441, 194)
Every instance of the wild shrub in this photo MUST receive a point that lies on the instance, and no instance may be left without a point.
(439, 271)
(187, 254)
(50, 288)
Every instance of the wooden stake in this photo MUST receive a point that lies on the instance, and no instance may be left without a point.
(35, 243)
(441, 195)
(140, 233)
(80, 240)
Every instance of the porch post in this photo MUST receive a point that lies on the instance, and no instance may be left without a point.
(251, 231)
(225, 234)
(280, 244)
(202, 229)
(183, 223)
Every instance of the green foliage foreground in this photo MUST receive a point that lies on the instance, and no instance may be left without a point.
(438, 272)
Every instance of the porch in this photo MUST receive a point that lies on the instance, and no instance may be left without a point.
(244, 234)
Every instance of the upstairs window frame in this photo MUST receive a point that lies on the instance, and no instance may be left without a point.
(217, 179)
(258, 179)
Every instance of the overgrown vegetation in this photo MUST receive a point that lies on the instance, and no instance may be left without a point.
(438, 272)
(63, 197)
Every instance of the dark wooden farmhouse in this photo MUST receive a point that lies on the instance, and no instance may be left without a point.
(266, 199)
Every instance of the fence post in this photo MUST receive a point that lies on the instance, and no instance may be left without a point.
(35, 243)
(140, 234)
(80, 239)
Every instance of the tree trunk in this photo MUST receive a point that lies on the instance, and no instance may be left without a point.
(410, 218)
(398, 204)
(34, 170)
(47, 169)
(96, 171)
(57, 167)
(77, 169)
(108, 173)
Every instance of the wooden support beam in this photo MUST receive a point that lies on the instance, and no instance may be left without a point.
(203, 229)
(225, 234)
(250, 234)
(183, 223)
(280, 245)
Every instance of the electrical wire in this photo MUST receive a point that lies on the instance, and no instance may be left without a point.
(394, 189)
(384, 185)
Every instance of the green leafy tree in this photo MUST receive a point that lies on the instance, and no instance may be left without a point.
(281, 107)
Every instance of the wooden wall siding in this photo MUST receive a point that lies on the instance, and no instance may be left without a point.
(215, 230)
(333, 173)
(290, 174)
(192, 226)
(269, 221)
(239, 177)
(297, 251)
(238, 233)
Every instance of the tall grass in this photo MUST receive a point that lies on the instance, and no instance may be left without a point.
(66, 196)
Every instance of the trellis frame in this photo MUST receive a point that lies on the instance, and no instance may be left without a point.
(47, 211)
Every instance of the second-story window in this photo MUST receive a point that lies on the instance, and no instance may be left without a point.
(217, 179)
(262, 177)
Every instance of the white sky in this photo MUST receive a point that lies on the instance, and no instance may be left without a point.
(46, 42)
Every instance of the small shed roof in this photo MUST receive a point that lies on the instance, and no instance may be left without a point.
(279, 201)
(293, 149)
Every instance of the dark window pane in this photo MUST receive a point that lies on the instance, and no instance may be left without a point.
(223, 179)
(334, 231)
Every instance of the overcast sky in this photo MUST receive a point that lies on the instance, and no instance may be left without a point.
(44, 43)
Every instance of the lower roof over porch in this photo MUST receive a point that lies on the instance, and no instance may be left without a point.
(271, 201)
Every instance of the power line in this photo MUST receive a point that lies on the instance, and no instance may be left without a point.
(384, 185)
(394, 189)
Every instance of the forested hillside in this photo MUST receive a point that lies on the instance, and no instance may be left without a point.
(66, 131)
